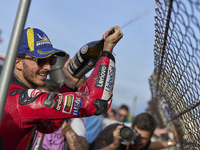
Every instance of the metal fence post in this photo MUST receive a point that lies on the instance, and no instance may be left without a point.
(12, 51)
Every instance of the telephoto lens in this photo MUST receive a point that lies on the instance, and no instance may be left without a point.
(56, 73)
(129, 135)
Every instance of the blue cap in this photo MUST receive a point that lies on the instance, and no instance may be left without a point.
(36, 43)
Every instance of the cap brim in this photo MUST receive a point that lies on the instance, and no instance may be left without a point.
(47, 52)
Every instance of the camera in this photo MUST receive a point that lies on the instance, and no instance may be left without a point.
(130, 136)
(56, 73)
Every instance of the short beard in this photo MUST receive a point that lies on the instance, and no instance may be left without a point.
(29, 77)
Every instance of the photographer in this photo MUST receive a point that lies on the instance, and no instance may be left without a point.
(110, 138)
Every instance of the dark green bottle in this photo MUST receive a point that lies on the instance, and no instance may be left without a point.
(86, 58)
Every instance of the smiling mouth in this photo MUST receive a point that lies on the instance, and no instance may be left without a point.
(43, 75)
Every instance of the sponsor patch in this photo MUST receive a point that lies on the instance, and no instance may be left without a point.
(44, 40)
(77, 106)
(58, 103)
(49, 100)
(101, 77)
(79, 57)
(108, 89)
(25, 97)
(33, 92)
(110, 79)
(68, 104)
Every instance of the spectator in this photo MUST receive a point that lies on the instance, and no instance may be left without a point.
(122, 113)
(144, 124)
(93, 127)
(119, 115)
(71, 136)
(95, 124)
(28, 108)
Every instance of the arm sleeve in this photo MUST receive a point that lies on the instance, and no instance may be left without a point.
(65, 89)
(78, 126)
(94, 98)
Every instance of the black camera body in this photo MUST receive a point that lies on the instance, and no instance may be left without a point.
(130, 136)
(56, 73)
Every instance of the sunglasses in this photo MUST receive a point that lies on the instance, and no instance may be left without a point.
(42, 62)
(122, 116)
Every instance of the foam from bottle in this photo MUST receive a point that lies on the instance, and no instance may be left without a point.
(136, 18)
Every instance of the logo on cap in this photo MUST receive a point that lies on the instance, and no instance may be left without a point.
(44, 40)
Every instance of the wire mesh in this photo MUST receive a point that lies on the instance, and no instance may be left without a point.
(175, 83)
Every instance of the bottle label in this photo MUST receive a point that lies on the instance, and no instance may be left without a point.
(79, 57)
(70, 70)
(88, 66)
(84, 49)
(85, 59)
(74, 64)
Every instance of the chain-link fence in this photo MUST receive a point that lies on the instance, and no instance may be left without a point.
(175, 83)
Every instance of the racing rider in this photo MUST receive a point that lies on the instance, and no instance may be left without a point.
(28, 108)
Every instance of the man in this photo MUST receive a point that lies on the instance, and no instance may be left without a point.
(27, 108)
(95, 124)
(118, 115)
(144, 124)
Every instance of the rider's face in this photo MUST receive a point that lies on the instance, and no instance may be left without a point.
(34, 74)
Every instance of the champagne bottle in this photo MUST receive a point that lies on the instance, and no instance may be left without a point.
(85, 59)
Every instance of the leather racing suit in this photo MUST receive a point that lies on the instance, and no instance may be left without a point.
(29, 109)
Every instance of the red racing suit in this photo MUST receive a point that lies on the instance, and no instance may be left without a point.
(28, 109)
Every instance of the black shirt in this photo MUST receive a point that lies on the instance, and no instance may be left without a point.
(105, 138)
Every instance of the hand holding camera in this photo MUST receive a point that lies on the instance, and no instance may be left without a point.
(124, 135)
(129, 136)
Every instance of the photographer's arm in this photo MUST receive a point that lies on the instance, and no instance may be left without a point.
(164, 144)
(74, 141)
(159, 131)
(159, 145)
(116, 140)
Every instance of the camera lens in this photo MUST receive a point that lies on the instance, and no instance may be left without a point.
(126, 133)
(56, 73)
(129, 135)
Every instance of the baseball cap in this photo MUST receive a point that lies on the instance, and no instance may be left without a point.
(36, 43)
